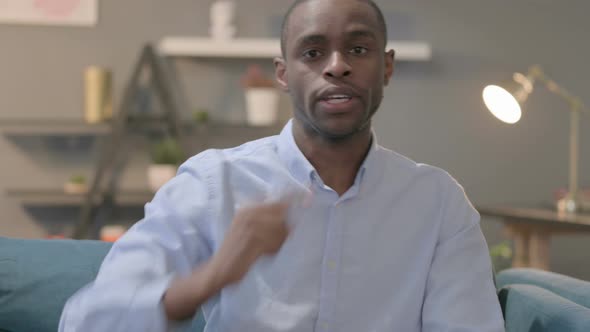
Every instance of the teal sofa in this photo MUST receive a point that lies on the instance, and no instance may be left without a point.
(534, 300)
(38, 276)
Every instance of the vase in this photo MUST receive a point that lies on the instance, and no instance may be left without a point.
(98, 98)
(262, 106)
(222, 19)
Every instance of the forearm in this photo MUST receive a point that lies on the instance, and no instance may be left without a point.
(185, 295)
(116, 306)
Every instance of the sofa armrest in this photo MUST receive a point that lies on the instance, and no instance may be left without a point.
(573, 289)
(531, 308)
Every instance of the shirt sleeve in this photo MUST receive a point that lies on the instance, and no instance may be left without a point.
(169, 241)
(460, 292)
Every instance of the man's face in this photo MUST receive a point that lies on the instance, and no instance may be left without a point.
(335, 66)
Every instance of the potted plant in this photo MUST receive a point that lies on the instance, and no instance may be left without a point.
(262, 97)
(501, 255)
(201, 116)
(166, 156)
(76, 184)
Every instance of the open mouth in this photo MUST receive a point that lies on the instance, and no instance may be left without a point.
(337, 99)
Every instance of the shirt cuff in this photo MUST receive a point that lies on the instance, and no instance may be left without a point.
(148, 308)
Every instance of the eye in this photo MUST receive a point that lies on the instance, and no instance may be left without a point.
(311, 54)
(358, 50)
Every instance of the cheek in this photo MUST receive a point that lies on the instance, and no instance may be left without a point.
(297, 92)
(303, 82)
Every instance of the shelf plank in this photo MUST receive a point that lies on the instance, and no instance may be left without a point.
(57, 197)
(51, 127)
(258, 48)
(57, 127)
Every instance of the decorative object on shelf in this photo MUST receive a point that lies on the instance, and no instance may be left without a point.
(222, 19)
(583, 197)
(50, 12)
(111, 233)
(505, 103)
(77, 184)
(201, 116)
(166, 156)
(98, 96)
(262, 97)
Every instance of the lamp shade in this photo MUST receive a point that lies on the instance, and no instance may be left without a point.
(505, 101)
(502, 104)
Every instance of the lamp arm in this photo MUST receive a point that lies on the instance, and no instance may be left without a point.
(575, 103)
(576, 107)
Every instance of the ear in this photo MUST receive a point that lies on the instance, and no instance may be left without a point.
(281, 73)
(389, 65)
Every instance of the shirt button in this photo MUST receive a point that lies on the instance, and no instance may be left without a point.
(332, 265)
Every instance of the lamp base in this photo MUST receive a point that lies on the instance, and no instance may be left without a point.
(567, 205)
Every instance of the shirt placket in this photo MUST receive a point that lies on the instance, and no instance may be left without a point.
(330, 271)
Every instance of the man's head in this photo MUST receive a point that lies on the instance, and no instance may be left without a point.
(285, 26)
(334, 64)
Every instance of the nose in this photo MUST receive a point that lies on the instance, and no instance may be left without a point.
(337, 66)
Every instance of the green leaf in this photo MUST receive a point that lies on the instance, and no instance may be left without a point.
(167, 152)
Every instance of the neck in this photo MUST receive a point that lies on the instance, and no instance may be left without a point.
(336, 161)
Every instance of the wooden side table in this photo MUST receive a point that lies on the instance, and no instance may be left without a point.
(531, 231)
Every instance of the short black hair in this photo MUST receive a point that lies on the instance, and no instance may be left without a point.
(380, 21)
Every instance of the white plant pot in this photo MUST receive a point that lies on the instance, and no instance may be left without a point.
(262, 106)
(111, 233)
(75, 188)
(158, 175)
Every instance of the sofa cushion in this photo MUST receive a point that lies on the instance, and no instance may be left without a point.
(38, 276)
(575, 290)
(531, 308)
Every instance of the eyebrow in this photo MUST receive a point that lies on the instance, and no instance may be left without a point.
(318, 39)
(322, 39)
(362, 34)
(311, 39)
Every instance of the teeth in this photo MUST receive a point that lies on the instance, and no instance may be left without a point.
(338, 100)
(338, 97)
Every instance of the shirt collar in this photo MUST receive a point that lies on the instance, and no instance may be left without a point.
(289, 152)
(302, 169)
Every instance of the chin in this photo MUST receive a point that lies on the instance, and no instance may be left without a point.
(334, 129)
(340, 133)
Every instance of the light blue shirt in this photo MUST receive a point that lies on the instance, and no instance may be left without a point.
(401, 250)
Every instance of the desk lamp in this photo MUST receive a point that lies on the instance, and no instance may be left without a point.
(505, 102)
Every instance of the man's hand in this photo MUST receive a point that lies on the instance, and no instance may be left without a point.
(254, 232)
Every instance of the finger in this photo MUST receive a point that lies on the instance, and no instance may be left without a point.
(271, 227)
(293, 197)
(274, 210)
(275, 241)
(272, 223)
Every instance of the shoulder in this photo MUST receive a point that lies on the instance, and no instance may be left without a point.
(436, 188)
(404, 168)
(212, 160)
(433, 187)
